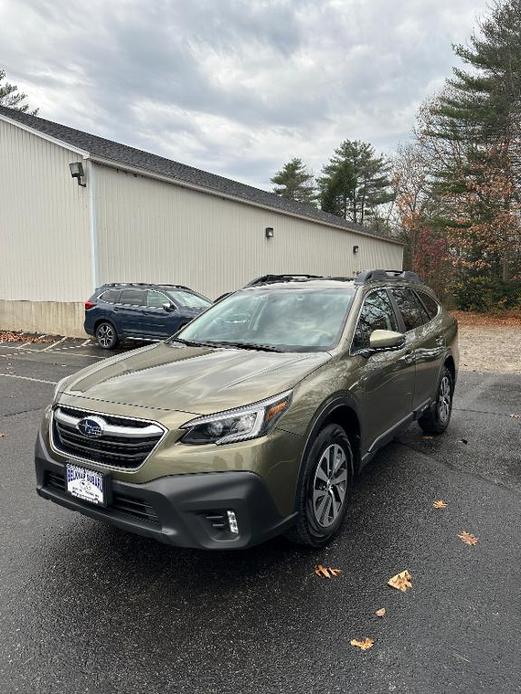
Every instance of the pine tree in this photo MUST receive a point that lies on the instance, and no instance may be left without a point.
(355, 182)
(294, 182)
(11, 97)
(475, 125)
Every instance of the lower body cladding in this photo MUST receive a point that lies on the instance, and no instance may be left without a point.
(213, 510)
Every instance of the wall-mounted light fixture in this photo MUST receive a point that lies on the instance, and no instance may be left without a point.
(77, 171)
(355, 249)
(269, 232)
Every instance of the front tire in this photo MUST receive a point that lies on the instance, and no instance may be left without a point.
(322, 494)
(437, 417)
(106, 335)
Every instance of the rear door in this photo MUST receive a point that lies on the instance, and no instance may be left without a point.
(425, 337)
(387, 384)
(128, 312)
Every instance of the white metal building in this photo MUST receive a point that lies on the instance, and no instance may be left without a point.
(137, 217)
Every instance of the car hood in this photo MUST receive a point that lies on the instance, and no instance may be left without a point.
(198, 380)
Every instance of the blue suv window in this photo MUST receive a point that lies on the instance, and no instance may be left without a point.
(188, 299)
(133, 297)
(111, 296)
(156, 299)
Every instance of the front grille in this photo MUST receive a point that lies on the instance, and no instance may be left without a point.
(122, 503)
(123, 443)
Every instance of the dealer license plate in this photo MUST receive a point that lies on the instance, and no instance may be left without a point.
(86, 485)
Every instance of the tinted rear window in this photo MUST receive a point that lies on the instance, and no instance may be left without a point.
(430, 304)
(133, 297)
(412, 311)
(111, 296)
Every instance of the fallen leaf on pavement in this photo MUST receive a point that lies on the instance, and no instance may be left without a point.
(363, 645)
(401, 581)
(326, 571)
(439, 503)
(468, 538)
(380, 612)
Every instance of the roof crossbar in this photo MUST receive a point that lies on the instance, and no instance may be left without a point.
(270, 279)
(366, 276)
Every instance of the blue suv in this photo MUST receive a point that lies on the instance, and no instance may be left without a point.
(140, 311)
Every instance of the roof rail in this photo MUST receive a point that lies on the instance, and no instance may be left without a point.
(270, 279)
(144, 284)
(366, 276)
(175, 286)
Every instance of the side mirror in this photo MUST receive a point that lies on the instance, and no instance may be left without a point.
(386, 339)
(168, 306)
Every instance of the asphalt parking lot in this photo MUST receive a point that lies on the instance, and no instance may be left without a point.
(85, 607)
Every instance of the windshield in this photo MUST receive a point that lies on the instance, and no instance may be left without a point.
(281, 319)
(188, 299)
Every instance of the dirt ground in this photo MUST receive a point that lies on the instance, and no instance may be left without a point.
(489, 343)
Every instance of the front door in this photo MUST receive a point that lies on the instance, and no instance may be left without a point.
(160, 322)
(386, 387)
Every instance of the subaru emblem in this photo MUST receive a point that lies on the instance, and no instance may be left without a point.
(92, 427)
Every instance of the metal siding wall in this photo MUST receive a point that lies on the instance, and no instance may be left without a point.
(149, 230)
(44, 232)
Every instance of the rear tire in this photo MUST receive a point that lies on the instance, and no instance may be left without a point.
(106, 335)
(322, 493)
(437, 417)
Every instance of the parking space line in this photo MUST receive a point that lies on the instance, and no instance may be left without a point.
(54, 344)
(39, 351)
(28, 378)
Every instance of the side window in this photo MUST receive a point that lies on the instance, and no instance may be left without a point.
(430, 304)
(111, 296)
(377, 314)
(133, 297)
(156, 299)
(412, 311)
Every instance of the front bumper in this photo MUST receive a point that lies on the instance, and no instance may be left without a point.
(183, 510)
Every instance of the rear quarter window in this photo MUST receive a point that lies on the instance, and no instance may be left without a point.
(111, 296)
(430, 304)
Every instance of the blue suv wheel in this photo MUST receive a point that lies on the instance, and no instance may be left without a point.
(106, 335)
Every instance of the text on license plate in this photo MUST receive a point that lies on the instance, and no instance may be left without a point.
(84, 484)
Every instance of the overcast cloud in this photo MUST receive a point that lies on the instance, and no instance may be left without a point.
(236, 87)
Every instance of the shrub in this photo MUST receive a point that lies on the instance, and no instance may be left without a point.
(487, 294)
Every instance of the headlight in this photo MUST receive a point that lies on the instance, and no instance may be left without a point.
(237, 425)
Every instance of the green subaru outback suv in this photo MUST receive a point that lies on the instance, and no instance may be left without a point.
(254, 419)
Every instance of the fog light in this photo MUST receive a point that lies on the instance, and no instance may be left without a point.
(232, 522)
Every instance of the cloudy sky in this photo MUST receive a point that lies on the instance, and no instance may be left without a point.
(236, 87)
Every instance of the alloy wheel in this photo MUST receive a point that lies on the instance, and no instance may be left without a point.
(330, 485)
(444, 400)
(105, 335)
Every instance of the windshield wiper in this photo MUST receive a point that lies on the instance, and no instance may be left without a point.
(247, 345)
(225, 343)
(192, 343)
